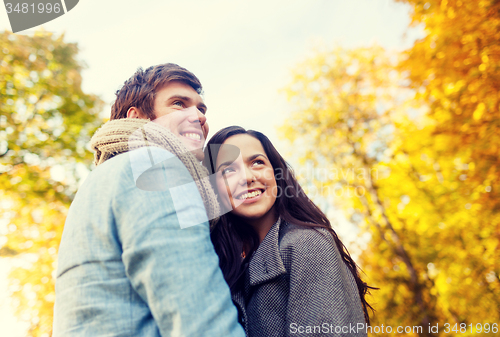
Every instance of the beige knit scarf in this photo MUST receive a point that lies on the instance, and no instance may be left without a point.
(123, 135)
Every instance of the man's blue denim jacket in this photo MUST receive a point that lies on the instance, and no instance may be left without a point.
(126, 268)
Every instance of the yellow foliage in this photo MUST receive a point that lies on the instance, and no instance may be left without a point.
(47, 121)
(432, 212)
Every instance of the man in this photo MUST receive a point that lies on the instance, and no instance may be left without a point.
(131, 260)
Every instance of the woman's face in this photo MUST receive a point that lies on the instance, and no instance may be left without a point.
(246, 185)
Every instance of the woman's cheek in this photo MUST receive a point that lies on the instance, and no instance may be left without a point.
(222, 192)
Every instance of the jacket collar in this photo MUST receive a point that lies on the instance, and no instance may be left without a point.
(266, 262)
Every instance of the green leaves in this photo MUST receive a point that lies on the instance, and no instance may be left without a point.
(46, 121)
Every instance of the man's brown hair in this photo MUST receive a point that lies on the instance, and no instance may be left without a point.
(139, 91)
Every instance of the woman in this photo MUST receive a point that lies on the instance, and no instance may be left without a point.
(288, 271)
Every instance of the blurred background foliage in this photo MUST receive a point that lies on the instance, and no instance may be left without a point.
(412, 137)
(46, 121)
(421, 131)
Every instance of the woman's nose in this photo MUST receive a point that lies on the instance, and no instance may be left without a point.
(247, 177)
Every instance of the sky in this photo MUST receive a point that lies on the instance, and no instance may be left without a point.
(242, 51)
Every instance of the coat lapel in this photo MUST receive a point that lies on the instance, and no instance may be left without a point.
(266, 262)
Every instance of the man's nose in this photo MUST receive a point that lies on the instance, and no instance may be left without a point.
(201, 118)
(195, 115)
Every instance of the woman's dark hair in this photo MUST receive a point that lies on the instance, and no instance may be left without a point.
(229, 239)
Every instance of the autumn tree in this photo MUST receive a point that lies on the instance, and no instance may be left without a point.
(416, 145)
(350, 103)
(456, 71)
(45, 124)
(455, 68)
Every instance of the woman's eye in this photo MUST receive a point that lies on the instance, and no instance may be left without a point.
(226, 170)
(258, 162)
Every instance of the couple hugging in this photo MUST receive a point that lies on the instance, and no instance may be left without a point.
(167, 239)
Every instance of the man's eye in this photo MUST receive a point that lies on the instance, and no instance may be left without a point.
(179, 103)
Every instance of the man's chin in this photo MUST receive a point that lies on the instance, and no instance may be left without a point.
(196, 151)
(199, 154)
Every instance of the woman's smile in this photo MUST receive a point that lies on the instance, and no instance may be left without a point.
(248, 181)
(250, 196)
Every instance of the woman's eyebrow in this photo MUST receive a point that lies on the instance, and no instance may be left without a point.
(252, 157)
(226, 163)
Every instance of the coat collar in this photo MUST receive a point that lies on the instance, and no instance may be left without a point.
(266, 262)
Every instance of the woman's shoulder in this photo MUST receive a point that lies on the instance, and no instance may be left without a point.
(304, 238)
(309, 248)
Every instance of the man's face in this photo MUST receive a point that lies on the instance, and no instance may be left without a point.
(180, 109)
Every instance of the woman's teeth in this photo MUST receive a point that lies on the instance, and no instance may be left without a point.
(194, 136)
(249, 195)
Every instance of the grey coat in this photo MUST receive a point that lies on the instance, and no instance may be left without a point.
(297, 284)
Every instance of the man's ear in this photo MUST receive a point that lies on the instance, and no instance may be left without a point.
(133, 112)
